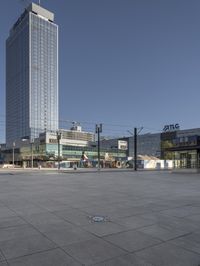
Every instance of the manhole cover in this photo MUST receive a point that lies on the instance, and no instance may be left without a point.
(98, 219)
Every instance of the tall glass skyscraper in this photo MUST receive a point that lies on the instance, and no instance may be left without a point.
(32, 75)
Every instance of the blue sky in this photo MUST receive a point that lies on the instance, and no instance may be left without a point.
(124, 63)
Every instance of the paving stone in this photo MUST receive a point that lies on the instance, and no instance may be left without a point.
(17, 232)
(93, 251)
(161, 232)
(160, 206)
(182, 211)
(18, 247)
(54, 226)
(190, 242)
(2, 257)
(73, 216)
(167, 254)
(50, 205)
(112, 212)
(134, 222)
(126, 212)
(27, 210)
(103, 208)
(47, 221)
(195, 236)
(65, 236)
(132, 240)
(156, 217)
(55, 257)
(3, 263)
(15, 201)
(183, 224)
(44, 219)
(6, 212)
(104, 228)
(126, 260)
(180, 224)
(11, 221)
(195, 218)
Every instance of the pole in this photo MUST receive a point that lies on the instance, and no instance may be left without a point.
(58, 138)
(13, 154)
(32, 155)
(98, 132)
(135, 149)
(58, 153)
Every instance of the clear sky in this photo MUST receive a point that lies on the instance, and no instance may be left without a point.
(121, 62)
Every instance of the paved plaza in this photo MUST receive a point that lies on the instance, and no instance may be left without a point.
(149, 218)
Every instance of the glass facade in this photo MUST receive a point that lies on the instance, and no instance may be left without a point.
(91, 152)
(147, 144)
(186, 159)
(43, 81)
(46, 151)
(167, 142)
(31, 77)
(17, 82)
(184, 149)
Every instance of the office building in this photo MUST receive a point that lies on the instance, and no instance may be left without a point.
(31, 75)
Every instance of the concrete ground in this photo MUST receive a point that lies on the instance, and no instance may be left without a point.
(150, 218)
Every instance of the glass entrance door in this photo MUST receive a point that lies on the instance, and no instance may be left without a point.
(185, 160)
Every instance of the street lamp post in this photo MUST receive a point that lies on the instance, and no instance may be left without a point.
(13, 154)
(59, 135)
(135, 149)
(98, 131)
(135, 145)
(31, 153)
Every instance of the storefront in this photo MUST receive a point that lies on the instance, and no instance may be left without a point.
(185, 152)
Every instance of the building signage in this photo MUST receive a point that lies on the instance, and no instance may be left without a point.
(122, 145)
(171, 127)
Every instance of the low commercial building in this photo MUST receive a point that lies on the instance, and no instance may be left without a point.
(183, 148)
(173, 144)
(65, 145)
(147, 144)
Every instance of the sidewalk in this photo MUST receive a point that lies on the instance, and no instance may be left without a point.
(145, 218)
